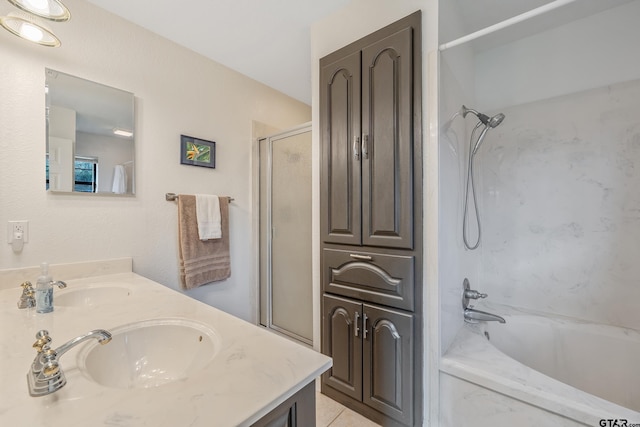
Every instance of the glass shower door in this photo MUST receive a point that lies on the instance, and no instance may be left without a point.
(285, 207)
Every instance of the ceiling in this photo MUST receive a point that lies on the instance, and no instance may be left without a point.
(267, 40)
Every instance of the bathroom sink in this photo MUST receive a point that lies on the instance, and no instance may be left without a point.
(91, 295)
(150, 353)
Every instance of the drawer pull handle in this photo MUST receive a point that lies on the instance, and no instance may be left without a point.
(365, 146)
(364, 326)
(356, 148)
(356, 318)
(361, 257)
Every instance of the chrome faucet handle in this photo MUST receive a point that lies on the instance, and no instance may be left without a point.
(45, 375)
(50, 366)
(60, 284)
(473, 294)
(469, 294)
(27, 299)
(42, 341)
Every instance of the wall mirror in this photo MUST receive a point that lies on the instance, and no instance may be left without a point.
(90, 136)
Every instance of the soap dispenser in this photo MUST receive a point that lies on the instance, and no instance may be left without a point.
(44, 290)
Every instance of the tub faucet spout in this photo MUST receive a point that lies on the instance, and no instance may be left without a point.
(471, 315)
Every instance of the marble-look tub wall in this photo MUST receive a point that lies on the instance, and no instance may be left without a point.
(560, 200)
(455, 263)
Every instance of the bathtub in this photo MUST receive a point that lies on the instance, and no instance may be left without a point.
(540, 371)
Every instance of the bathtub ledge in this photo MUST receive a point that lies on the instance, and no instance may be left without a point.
(472, 358)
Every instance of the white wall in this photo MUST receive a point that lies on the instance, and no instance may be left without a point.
(177, 91)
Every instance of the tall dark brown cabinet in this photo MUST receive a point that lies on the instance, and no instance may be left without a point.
(371, 223)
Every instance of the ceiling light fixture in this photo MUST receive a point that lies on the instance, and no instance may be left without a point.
(52, 10)
(28, 29)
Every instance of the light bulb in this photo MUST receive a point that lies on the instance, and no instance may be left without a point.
(52, 10)
(26, 27)
(31, 32)
(42, 5)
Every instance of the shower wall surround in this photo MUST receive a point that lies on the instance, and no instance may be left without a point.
(457, 263)
(560, 206)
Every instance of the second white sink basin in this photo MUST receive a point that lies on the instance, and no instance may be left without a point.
(91, 295)
(150, 353)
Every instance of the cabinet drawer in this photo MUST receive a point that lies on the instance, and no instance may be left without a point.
(369, 276)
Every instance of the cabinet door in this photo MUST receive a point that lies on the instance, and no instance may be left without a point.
(340, 135)
(387, 141)
(341, 340)
(388, 362)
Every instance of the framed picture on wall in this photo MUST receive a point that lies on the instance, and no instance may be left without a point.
(197, 152)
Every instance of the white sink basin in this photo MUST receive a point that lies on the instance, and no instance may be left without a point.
(150, 353)
(91, 295)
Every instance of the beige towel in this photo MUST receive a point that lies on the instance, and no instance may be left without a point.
(201, 261)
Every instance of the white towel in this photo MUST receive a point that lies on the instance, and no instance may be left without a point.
(208, 217)
(119, 180)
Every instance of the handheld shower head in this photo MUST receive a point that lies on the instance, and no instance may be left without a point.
(492, 122)
(489, 123)
(495, 120)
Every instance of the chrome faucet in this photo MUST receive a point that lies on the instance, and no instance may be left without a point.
(471, 315)
(27, 299)
(46, 375)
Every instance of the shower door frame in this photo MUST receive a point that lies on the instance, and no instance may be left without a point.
(268, 304)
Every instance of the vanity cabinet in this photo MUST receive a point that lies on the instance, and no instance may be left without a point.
(297, 411)
(372, 351)
(367, 133)
(371, 224)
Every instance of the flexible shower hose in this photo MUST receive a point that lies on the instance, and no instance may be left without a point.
(470, 183)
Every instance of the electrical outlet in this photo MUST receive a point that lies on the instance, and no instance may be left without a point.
(18, 227)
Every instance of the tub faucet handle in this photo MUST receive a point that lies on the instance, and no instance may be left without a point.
(473, 294)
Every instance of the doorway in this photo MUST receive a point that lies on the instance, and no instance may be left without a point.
(285, 233)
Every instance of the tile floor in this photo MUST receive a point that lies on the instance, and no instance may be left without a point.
(330, 413)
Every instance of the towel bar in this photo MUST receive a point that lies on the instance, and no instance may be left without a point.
(172, 197)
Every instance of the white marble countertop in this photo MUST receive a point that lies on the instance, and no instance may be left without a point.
(252, 373)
